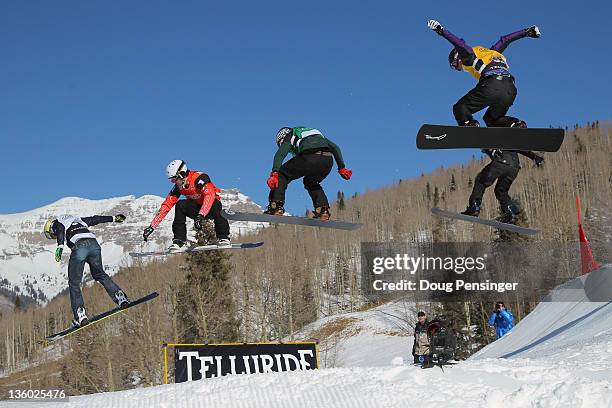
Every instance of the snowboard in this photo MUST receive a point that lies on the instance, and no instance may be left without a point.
(285, 219)
(492, 223)
(505, 138)
(96, 319)
(190, 249)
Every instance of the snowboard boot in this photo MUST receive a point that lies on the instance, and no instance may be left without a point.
(473, 209)
(322, 213)
(224, 242)
(121, 299)
(177, 244)
(510, 216)
(470, 123)
(81, 319)
(519, 124)
(275, 208)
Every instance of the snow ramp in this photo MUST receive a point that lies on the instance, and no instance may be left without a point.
(574, 315)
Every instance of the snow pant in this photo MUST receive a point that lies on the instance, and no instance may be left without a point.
(496, 170)
(87, 250)
(314, 167)
(191, 209)
(497, 93)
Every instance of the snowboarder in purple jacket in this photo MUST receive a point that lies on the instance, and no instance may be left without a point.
(495, 88)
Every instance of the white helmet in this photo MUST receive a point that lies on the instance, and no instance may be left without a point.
(176, 169)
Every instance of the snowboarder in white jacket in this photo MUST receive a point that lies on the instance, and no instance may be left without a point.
(74, 232)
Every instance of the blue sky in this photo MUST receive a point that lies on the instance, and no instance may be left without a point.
(97, 97)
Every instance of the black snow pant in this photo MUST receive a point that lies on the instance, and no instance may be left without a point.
(191, 209)
(314, 167)
(497, 93)
(504, 174)
(87, 250)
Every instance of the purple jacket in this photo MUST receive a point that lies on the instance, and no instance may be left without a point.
(500, 46)
(466, 53)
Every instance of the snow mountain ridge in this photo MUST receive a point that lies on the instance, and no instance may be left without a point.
(26, 256)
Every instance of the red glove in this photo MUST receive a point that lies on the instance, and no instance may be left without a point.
(345, 173)
(273, 180)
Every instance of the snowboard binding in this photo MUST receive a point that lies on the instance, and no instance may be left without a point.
(275, 208)
(322, 213)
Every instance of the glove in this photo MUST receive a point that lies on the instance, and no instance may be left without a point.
(58, 253)
(345, 173)
(199, 222)
(148, 231)
(273, 180)
(119, 218)
(436, 26)
(539, 160)
(533, 32)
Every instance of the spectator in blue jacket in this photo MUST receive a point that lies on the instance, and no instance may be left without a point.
(502, 319)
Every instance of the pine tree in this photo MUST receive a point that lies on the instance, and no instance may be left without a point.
(453, 183)
(205, 308)
(341, 204)
(18, 305)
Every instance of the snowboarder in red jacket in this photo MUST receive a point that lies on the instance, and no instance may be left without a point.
(203, 202)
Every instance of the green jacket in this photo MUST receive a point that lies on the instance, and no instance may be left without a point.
(303, 140)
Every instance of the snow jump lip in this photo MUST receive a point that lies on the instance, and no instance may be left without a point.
(574, 311)
(556, 332)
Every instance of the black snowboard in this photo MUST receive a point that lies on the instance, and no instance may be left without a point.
(280, 219)
(492, 223)
(95, 319)
(463, 137)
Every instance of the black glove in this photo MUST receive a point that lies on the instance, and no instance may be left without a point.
(148, 231)
(539, 160)
(199, 222)
(119, 218)
(533, 32)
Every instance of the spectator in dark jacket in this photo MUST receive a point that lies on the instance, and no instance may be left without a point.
(420, 347)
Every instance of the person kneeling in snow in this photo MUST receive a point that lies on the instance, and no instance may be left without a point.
(502, 319)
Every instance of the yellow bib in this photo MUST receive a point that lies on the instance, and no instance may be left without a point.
(484, 56)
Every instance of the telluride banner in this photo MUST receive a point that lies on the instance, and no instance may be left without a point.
(197, 361)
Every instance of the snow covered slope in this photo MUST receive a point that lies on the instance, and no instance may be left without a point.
(363, 339)
(26, 259)
(572, 321)
(558, 356)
